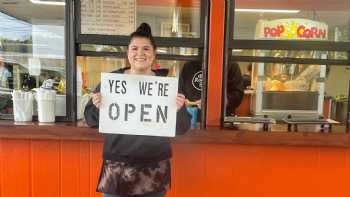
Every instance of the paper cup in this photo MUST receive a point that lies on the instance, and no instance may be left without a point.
(23, 109)
(46, 110)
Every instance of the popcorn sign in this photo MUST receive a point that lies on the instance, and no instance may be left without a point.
(291, 29)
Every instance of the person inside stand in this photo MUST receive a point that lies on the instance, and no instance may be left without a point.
(5, 74)
(136, 165)
(192, 75)
(247, 77)
(6, 82)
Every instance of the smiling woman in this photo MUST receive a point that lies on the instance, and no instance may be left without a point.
(132, 161)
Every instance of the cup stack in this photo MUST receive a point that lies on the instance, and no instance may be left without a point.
(22, 105)
(46, 105)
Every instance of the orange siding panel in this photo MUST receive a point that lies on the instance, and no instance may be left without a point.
(84, 169)
(333, 172)
(15, 168)
(1, 168)
(189, 171)
(45, 165)
(70, 152)
(43, 168)
(95, 165)
(271, 171)
(279, 169)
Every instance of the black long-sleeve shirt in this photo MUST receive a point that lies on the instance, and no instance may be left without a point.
(134, 148)
(191, 75)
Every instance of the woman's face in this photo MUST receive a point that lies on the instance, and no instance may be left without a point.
(141, 54)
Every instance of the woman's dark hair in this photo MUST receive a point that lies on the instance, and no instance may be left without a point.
(143, 31)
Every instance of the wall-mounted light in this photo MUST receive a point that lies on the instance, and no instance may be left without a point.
(60, 3)
(267, 11)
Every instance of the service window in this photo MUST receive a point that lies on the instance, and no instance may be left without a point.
(32, 51)
(179, 30)
(287, 66)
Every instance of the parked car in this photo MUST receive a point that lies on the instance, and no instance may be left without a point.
(22, 80)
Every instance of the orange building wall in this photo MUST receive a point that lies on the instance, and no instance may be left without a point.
(41, 168)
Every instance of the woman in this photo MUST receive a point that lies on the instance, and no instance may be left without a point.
(136, 165)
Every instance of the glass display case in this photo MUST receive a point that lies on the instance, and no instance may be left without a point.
(289, 90)
(283, 90)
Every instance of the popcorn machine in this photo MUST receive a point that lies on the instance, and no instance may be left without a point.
(285, 90)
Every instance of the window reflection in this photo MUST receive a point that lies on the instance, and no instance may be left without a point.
(32, 51)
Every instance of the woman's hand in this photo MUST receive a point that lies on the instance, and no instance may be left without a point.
(180, 101)
(196, 103)
(96, 100)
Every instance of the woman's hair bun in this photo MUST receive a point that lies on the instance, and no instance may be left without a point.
(144, 29)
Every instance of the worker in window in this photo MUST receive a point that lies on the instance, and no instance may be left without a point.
(192, 76)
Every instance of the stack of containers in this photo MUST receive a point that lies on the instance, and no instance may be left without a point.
(46, 105)
(22, 105)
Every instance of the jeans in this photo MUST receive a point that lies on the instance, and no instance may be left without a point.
(157, 194)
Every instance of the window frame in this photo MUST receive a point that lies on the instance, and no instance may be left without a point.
(230, 43)
(69, 57)
(118, 40)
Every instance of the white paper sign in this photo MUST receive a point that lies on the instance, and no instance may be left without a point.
(34, 66)
(138, 105)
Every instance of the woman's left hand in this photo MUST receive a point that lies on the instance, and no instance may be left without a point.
(180, 101)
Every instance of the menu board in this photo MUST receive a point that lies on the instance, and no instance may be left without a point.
(108, 17)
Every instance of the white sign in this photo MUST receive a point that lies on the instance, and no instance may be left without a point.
(291, 29)
(34, 66)
(138, 105)
(108, 17)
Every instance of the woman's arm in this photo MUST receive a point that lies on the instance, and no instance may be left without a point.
(183, 121)
(91, 112)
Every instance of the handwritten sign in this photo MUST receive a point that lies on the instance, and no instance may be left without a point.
(108, 17)
(138, 105)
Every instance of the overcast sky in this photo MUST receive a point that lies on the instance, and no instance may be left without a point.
(14, 29)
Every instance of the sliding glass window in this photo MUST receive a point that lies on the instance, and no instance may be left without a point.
(293, 57)
(103, 28)
(32, 50)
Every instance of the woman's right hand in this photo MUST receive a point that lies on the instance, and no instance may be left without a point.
(96, 100)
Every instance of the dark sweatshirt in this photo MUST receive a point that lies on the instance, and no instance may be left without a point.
(136, 148)
(192, 75)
